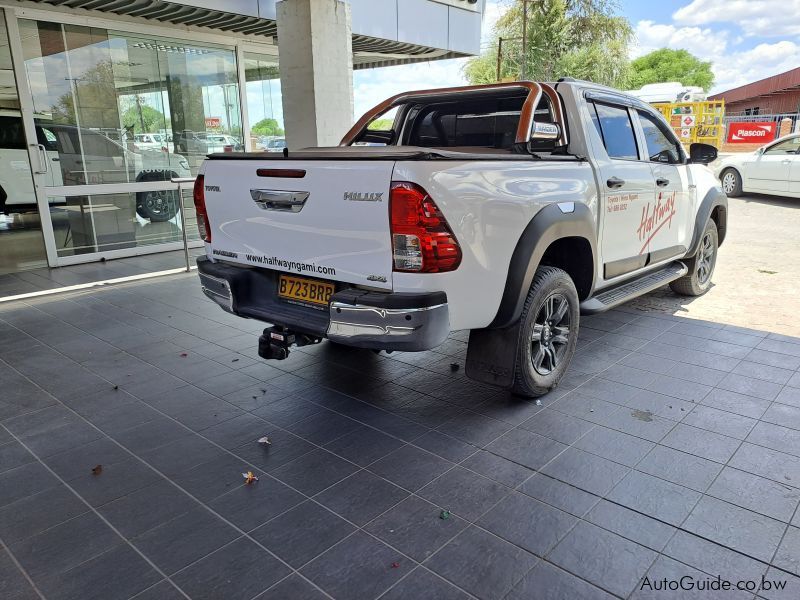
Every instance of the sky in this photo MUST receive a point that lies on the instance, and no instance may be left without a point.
(745, 40)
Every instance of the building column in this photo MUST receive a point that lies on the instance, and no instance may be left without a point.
(316, 68)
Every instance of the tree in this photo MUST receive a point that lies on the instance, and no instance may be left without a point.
(267, 127)
(141, 118)
(565, 38)
(381, 124)
(665, 65)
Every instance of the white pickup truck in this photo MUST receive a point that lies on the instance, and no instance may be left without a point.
(506, 209)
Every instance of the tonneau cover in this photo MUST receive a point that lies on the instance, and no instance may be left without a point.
(374, 153)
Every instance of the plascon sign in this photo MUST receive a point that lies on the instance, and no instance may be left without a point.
(751, 133)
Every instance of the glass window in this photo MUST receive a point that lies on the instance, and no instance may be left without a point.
(789, 146)
(617, 131)
(115, 94)
(264, 108)
(661, 147)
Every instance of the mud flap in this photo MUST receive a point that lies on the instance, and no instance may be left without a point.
(492, 355)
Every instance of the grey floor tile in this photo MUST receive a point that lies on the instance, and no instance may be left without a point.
(585, 471)
(416, 528)
(737, 528)
(776, 437)
(34, 514)
(284, 448)
(421, 583)
(361, 497)
(182, 455)
(482, 564)
(768, 463)
(548, 581)
(639, 423)
(526, 448)
(295, 587)
(473, 428)
(60, 548)
(13, 584)
(238, 571)
(603, 558)
(680, 468)
(113, 481)
(740, 404)
(614, 445)
(359, 567)
(248, 506)
(152, 435)
(411, 468)
(782, 586)
(561, 495)
(213, 478)
(313, 472)
(185, 539)
(765, 372)
(788, 554)
(668, 570)
(13, 455)
(719, 421)
(755, 493)
(302, 533)
(528, 523)
(681, 389)
(630, 524)
(446, 446)
(115, 575)
(750, 386)
(702, 443)
(148, 507)
(557, 426)
(497, 468)
(782, 414)
(24, 481)
(464, 493)
(654, 497)
(789, 395)
(712, 558)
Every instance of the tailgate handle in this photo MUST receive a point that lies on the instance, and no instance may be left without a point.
(279, 200)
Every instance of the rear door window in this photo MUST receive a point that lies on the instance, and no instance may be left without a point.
(616, 129)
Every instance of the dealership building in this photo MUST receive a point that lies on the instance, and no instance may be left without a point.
(104, 102)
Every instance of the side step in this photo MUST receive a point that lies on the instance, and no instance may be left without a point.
(629, 290)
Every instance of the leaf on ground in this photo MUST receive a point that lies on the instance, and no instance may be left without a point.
(264, 441)
(249, 477)
(767, 272)
(184, 354)
(97, 469)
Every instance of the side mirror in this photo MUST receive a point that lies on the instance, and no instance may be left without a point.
(760, 151)
(702, 153)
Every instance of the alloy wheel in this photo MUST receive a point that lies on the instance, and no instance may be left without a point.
(705, 259)
(551, 331)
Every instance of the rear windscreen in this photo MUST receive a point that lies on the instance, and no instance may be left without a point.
(486, 123)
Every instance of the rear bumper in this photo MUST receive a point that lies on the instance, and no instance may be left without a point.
(385, 321)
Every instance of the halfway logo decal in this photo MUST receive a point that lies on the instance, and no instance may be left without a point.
(652, 222)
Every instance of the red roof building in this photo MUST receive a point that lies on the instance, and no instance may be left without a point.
(776, 95)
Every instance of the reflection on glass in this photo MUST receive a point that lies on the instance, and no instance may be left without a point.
(21, 241)
(121, 108)
(104, 222)
(264, 108)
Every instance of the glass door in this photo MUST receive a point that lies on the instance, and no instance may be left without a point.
(21, 240)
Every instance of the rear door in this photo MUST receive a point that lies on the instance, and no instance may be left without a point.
(627, 188)
(328, 219)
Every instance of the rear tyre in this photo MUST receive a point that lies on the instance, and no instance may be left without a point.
(731, 183)
(548, 333)
(157, 206)
(701, 267)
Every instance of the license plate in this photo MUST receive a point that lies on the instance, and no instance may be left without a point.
(307, 291)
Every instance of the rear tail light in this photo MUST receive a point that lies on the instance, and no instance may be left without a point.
(199, 195)
(422, 241)
(227, 148)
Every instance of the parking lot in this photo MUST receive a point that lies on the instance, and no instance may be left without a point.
(129, 415)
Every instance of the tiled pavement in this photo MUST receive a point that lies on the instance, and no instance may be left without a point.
(672, 449)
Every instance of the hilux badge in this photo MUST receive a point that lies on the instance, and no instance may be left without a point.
(364, 196)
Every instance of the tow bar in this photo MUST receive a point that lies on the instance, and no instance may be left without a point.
(275, 342)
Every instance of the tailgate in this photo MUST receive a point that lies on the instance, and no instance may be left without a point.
(332, 223)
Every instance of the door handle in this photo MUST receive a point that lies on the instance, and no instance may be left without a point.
(662, 182)
(615, 182)
(42, 158)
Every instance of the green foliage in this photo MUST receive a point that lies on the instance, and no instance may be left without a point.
(665, 65)
(141, 118)
(565, 38)
(381, 124)
(267, 127)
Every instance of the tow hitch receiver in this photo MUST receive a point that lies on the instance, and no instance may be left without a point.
(275, 342)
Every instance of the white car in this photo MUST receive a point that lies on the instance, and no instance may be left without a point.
(72, 155)
(505, 209)
(772, 169)
(150, 141)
